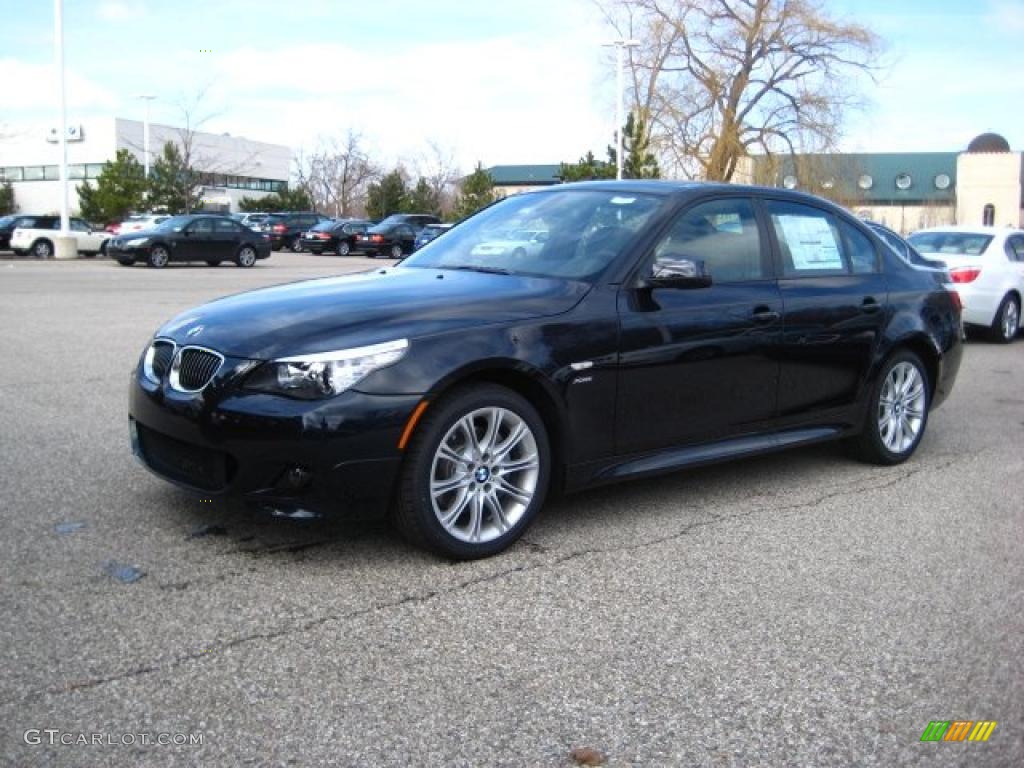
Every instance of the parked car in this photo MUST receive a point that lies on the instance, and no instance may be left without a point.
(519, 243)
(202, 237)
(35, 235)
(285, 229)
(395, 236)
(986, 265)
(251, 220)
(141, 222)
(663, 325)
(7, 225)
(428, 233)
(903, 249)
(334, 235)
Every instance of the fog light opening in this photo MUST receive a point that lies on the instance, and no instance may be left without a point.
(298, 477)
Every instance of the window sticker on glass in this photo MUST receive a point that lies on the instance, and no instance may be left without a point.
(622, 200)
(811, 242)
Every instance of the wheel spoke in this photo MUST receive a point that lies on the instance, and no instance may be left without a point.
(508, 445)
(446, 452)
(441, 487)
(510, 466)
(476, 515)
(497, 513)
(515, 492)
(494, 419)
(452, 515)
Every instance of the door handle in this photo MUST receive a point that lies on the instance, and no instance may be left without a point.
(870, 304)
(764, 315)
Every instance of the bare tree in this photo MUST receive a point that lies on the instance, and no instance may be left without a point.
(718, 79)
(439, 169)
(338, 174)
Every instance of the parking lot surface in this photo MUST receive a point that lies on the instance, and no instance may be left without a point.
(796, 610)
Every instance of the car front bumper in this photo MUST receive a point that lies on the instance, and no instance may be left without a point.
(332, 456)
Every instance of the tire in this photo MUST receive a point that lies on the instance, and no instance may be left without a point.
(213, 262)
(485, 516)
(1006, 322)
(246, 256)
(344, 248)
(158, 257)
(396, 251)
(898, 411)
(126, 262)
(295, 245)
(42, 249)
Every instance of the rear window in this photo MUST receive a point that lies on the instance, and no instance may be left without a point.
(324, 226)
(951, 243)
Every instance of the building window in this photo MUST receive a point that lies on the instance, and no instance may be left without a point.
(33, 173)
(789, 182)
(93, 170)
(51, 173)
(903, 181)
(12, 174)
(988, 215)
(942, 181)
(865, 182)
(76, 171)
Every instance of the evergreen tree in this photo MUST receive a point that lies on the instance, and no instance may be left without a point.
(477, 192)
(7, 199)
(589, 167)
(286, 200)
(639, 162)
(424, 199)
(173, 186)
(120, 189)
(388, 196)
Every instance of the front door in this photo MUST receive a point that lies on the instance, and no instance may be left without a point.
(835, 303)
(700, 364)
(197, 241)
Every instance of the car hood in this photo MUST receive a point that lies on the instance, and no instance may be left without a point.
(367, 308)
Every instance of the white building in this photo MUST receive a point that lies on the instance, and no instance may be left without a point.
(231, 167)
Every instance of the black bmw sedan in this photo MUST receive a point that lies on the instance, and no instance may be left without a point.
(201, 237)
(661, 326)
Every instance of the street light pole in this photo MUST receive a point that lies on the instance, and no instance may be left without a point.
(145, 133)
(620, 45)
(58, 22)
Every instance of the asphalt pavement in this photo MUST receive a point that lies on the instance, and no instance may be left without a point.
(797, 610)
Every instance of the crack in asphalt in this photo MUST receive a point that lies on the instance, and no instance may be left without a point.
(424, 597)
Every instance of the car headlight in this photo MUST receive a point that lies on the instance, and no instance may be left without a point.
(324, 374)
(134, 242)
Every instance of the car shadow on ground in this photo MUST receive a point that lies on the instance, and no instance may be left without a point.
(596, 518)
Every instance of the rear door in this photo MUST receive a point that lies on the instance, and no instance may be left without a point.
(835, 304)
(226, 238)
(701, 364)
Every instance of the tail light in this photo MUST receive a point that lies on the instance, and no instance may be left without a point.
(964, 274)
(279, 227)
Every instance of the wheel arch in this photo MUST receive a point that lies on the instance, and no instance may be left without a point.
(925, 348)
(527, 382)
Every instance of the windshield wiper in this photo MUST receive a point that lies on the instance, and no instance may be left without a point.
(485, 270)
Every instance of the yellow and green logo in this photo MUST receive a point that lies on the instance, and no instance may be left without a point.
(958, 730)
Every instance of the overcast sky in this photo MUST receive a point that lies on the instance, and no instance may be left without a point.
(513, 81)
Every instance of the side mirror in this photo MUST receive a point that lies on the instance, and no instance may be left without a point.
(670, 272)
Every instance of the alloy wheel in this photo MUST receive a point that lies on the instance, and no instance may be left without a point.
(43, 249)
(484, 475)
(159, 257)
(1011, 320)
(246, 257)
(901, 407)
(396, 251)
(343, 248)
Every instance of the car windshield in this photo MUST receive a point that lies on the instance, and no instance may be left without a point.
(5, 220)
(174, 224)
(584, 231)
(951, 243)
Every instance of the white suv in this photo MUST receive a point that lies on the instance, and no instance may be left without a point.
(986, 265)
(35, 235)
(141, 222)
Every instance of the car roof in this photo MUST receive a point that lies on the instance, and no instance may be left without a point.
(967, 229)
